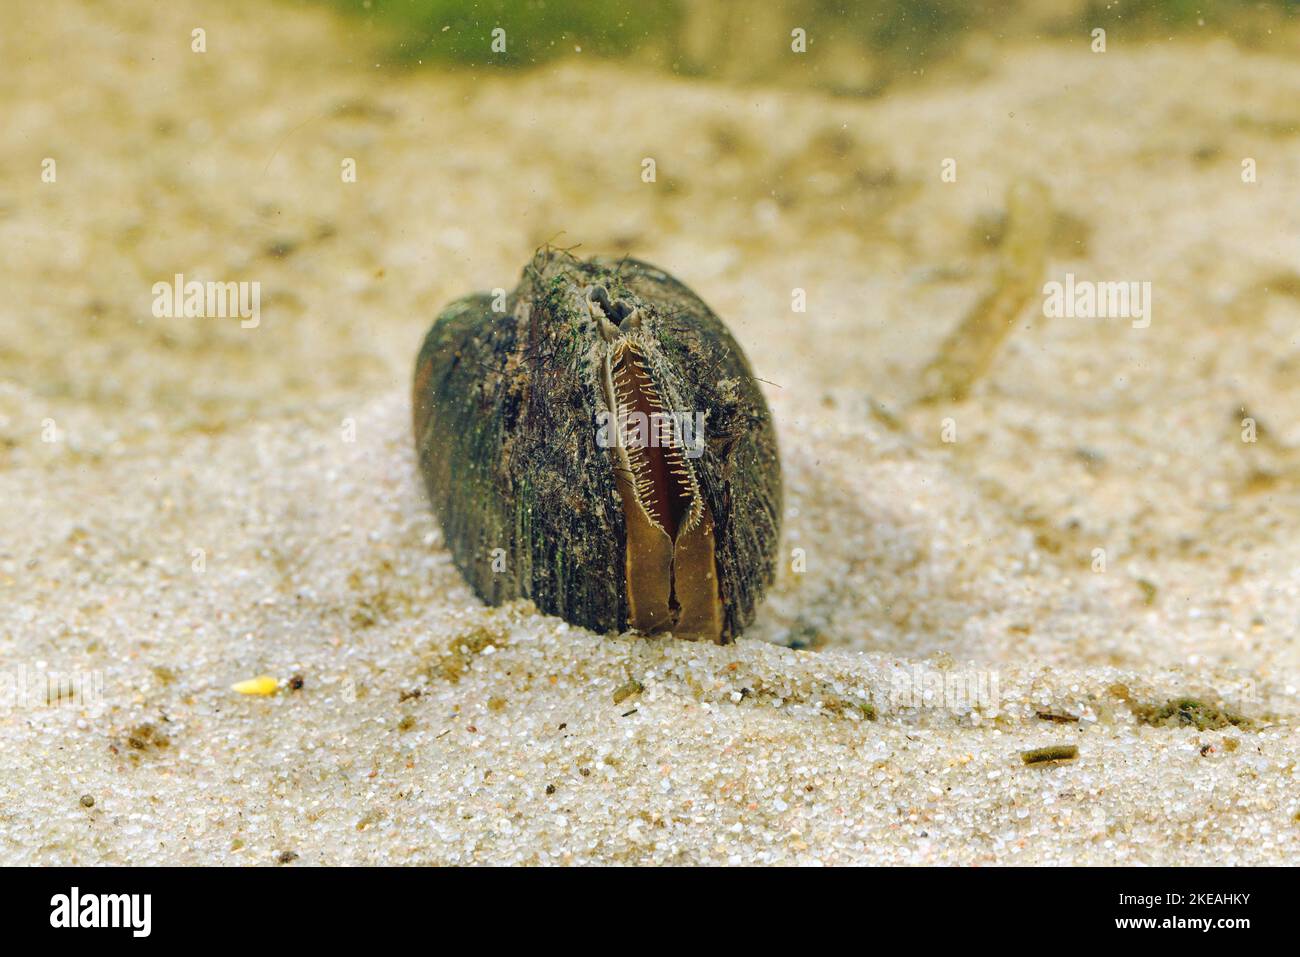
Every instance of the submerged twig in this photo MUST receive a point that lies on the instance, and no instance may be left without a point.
(1056, 752)
(969, 349)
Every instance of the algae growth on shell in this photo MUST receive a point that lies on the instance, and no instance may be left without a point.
(597, 442)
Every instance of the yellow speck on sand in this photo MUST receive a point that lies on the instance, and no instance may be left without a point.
(262, 684)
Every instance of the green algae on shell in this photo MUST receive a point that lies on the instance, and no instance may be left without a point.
(598, 444)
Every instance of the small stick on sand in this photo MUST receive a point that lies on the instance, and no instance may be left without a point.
(967, 353)
(1060, 717)
(1057, 752)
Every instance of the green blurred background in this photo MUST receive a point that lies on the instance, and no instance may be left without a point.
(864, 47)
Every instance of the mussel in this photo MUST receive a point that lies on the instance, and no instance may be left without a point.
(596, 442)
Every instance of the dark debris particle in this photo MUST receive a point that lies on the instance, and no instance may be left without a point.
(1189, 712)
(1056, 752)
(1092, 460)
(550, 789)
(1149, 591)
(462, 649)
(287, 857)
(628, 714)
(1060, 717)
(626, 691)
(281, 248)
(145, 737)
(409, 695)
(296, 683)
(164, 674)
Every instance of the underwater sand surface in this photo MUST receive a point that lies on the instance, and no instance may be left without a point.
(221, 502)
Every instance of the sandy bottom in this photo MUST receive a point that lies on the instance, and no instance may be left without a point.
(187, 503)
